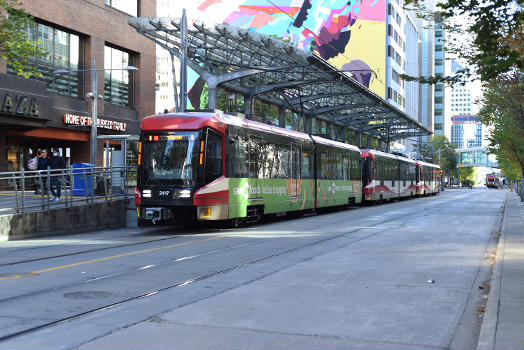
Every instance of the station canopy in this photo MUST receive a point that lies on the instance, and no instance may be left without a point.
(276, 72)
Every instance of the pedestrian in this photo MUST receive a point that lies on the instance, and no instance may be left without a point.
(57, 164)
(42, 165)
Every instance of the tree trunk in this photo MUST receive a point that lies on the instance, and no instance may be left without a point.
(522, 186)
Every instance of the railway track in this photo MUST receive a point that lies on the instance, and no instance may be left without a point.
(317, 221)
(185, 282)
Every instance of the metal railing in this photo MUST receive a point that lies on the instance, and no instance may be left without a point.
(27, 191)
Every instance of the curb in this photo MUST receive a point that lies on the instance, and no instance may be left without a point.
(488, 329)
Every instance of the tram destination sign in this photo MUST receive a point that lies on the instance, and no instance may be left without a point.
(82, 120)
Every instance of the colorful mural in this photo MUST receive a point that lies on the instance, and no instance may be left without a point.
(351, 35)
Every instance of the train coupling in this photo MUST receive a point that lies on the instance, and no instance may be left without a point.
(153, 214)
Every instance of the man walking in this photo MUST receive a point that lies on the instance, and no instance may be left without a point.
(57, 164)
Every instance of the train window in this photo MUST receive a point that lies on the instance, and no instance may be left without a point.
(338, 161)
(255, 157)
(332, 166)
(324, 166)
(269, 155)
(275, 170)
(354, 172)
(345, 167)
(213, 166)
(295, 161)
(283, 152)
(307, 164)
(239, 158)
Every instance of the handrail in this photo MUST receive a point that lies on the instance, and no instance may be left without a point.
(31, 190)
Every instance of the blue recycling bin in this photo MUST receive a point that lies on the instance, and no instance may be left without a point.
(82, 179)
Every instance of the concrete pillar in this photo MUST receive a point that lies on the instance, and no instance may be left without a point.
(282, 116)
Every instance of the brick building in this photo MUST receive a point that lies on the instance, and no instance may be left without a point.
(53, 111)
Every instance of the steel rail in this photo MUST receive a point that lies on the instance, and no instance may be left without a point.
(202, 277)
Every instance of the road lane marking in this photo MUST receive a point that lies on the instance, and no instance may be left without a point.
(112, 257)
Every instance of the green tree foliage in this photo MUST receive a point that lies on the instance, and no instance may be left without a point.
(440, 145)
(468, 175)
(15, 47)
(221, 98)
(491, 23)
(509, 170)
(503, 111)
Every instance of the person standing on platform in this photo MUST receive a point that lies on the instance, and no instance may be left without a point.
(57, 164)
(42, 165)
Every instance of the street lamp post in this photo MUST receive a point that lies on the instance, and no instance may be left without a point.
(94, 96)
(94, 112)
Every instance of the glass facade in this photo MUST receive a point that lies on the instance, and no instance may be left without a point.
(439, 87)
(128, 6)
(457, 135)
(65, 52)
(118, 83)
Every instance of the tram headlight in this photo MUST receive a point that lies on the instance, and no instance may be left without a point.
(184, 193)
(146, 193)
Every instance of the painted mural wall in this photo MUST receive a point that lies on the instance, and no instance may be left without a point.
(351, 35)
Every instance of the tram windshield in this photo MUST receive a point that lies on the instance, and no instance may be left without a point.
(169, 156)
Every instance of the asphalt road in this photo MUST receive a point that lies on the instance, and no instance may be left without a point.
(398, 275)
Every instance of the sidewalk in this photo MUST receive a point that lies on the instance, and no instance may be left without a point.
(503, 325)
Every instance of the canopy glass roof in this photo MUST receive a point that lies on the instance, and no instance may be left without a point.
(271, 70)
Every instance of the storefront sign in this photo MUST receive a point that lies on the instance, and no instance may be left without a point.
(82, 120)
(22, 105)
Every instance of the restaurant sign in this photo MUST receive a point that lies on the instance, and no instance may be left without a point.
(82, 120)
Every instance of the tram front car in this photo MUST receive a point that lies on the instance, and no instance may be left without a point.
(179, 156)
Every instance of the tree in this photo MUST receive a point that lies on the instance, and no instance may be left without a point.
(15, 46)
(509, 170)
(503, 111)
(468, 176)
(491, 25)
(440, 150)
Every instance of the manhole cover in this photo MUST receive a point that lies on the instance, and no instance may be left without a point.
(17, 275)
(87, 295)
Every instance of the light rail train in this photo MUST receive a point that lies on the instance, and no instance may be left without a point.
(199, 166)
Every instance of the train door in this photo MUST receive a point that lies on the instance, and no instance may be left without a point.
(256, 164)
(381, 173)
(417, 179)
(294, 182)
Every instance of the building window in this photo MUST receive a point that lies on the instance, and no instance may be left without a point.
(64, 53)
(118, 84)
(128, 6)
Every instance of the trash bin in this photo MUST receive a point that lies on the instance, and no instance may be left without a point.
(82, 179)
